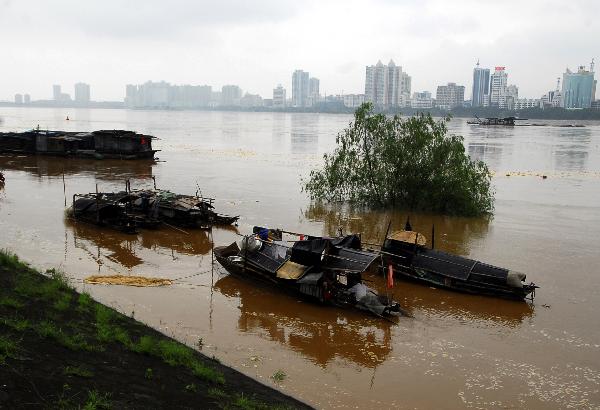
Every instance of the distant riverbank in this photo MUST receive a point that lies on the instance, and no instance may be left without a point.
(338, 108)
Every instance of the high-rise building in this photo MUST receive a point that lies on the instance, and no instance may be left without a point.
(524, 103)
(18, 98)
(353, 100)
(481, 86)
(82, 93)
(422, 100)
(313, 87)
(251, 100)
(300, 88)
(387, 86)
(58, 96)
(512, 91)
(375, 84)
(512, 95)
(279, 97)
(450, 96)
(56, 92)
(230, 95)
(498, 87)
(578, 88)
(27, 99)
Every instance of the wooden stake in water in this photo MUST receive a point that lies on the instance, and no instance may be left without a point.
(64, 187)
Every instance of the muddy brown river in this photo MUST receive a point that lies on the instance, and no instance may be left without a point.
(456, 351)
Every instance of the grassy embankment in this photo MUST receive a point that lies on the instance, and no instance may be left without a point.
(61, 349)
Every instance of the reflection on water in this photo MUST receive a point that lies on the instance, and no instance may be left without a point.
(423, 300)
(319, 332)
(304, 134)
(107, 169)
(490, 153)
(122, 246)
(452, 234)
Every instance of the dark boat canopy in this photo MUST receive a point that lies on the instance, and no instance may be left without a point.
(310, 252)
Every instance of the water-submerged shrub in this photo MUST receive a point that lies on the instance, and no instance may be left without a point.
(414, 163)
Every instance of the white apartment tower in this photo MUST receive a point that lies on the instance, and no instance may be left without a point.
(300, 88)
(82, 93)
(387, 86)
(498, 87)
(279, 97)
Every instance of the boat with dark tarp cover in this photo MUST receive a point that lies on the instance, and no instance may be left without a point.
(190, 211)
(319, 269)
(98, 210)
(119, 144)
(407, 253)
(146, 208)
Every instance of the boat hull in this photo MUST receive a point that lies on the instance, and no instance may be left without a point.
(436, 279)
(316, 293)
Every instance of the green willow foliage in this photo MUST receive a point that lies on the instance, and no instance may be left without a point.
(413, 162)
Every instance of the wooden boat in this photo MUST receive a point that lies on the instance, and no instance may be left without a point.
(101, 211)
(506, 121)
(151, 206)
(406, 251)
(101, 144)
(181, 210)
(314, 269)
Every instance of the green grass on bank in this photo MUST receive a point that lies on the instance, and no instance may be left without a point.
(47, 307)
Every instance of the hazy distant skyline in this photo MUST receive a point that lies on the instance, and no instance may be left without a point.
(258, 44)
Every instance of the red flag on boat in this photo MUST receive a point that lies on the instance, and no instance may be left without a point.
(301, 237)
(390, 276)
(143, 141)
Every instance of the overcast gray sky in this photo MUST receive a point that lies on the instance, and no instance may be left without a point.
(257, 44)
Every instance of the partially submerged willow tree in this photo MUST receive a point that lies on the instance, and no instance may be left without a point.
(414, 163)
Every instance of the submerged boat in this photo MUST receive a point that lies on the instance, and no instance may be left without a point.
(315, 269)
(407, 253)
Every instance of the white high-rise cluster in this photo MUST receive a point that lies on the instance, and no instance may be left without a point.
(387, 86)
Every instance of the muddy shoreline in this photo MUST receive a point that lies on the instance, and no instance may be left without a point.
(61, 349)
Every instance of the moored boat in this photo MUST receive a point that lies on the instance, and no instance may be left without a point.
(101, 144)
(102, 211)
(407, 253)
(495, 121)
(314, 269)
(151, 207)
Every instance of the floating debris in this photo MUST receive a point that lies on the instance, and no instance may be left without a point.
(140, 281)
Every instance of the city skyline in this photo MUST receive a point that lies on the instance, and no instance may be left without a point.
(256, 45)
(386, 86)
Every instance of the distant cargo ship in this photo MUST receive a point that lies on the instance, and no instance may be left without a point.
(120, 144)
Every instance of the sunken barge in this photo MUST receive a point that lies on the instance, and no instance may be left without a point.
(117, 144)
